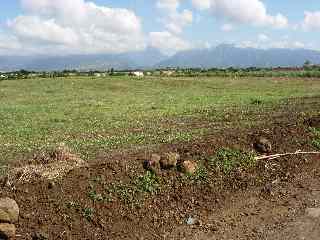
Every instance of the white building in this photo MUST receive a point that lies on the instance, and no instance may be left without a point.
(137, 74)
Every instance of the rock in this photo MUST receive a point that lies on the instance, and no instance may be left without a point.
(313, 212)
(9, 209)
(170, 160)
(263, 145)
(191, 221)
(7, 231)
(153, 164)
(189, 167)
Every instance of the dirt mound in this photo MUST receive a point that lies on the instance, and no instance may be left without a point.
(48, 165)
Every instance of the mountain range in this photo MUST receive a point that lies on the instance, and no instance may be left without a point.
(222, 56)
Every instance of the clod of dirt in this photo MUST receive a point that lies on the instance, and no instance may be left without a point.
(7, 231)
(313, 122)
(313, 212)
(189, 167)
(170, 160)
(153, 164)
(262, 145)
(155, 158)
(9, 210)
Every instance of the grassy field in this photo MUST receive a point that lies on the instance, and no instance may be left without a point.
(92, 114)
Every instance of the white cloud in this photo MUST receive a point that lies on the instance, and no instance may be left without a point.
(173, 19)
(35, 28)
(227, 27)
(167, 42)
(75, 26)
(311, 21)
(263, 38)
(177, 21)
(170, 5)
(243, 12)
(201, 4)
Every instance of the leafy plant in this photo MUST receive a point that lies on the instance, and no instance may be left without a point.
(88, 213)
(94, 196)
(316, 139)
(148, 182)
(229, 159)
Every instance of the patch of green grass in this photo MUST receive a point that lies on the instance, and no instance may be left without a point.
(125, 192)
(229, 159)
(113, 112)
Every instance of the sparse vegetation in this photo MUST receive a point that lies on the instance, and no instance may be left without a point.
(201, 175)
(115, 112)
(316, 139)
(229, 159)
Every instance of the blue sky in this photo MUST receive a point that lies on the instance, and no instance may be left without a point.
(30, 27)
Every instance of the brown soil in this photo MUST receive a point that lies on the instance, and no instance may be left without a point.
(267, 201)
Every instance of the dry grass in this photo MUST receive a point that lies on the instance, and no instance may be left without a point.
(47, 166)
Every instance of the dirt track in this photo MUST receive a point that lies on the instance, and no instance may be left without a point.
(266, 202)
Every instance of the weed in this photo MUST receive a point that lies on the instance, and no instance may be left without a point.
(229, 159)
(256, 101)
(201, 175)
(88, 213)
(94, 196)
(74, 205)
(125, 192)
(148, 182)
(316, 137)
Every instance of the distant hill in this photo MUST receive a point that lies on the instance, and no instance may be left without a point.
(221, 56)
(230, 56)
(144, 59)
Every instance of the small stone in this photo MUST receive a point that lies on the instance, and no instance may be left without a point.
(170, 160)
(191, 221)
(189, 167)
(7, 231)
(11, 208)
(313, 212)
(263, 145)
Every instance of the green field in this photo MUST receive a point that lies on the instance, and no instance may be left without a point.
(93, 114)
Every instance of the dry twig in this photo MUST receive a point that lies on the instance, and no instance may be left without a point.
(299, 152)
